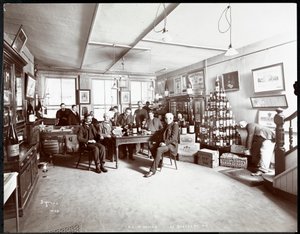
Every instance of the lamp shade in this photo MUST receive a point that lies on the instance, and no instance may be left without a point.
(231, 51)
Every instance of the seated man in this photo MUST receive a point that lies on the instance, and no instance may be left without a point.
(86, 137)
(125, 120)
(168, 142)
(105, 132)
(260, 143)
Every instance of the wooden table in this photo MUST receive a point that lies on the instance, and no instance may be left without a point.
(10, 186)
(124, 140)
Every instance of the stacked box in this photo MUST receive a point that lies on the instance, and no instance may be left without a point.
(233, 160)
(208, 158)
(187, 139)
(186, 152)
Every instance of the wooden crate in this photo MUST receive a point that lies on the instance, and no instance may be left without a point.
(233, 160)
(207, 157)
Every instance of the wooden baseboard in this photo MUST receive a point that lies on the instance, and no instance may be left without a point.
(291, 197)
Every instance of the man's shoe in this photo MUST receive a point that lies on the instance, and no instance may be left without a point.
(258, 173)
(131, 158)
(98, 169)
(150, 173)
(103, 169)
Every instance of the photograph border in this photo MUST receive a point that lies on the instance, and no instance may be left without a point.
(265, 73)
(87, 92)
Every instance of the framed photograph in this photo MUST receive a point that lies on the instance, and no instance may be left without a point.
(84, 110)
(266, 118)
(30, 86)
(269, 101)
(19, 40)
(269, 78)
(125, 97)
(196, 80)
(177, 85)
(6, 98)
(230, 81)
(84, 96)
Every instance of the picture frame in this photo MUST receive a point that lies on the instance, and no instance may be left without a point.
(230, 81)
(30, 86)
(266, 118)
(19, 40)
(125, 97)
(177, 85)
(84, 96)
(269, 101)
(6, 97)
(84, 110)
(268, 78)
(196, 79)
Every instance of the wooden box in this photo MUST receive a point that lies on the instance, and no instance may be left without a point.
(208, 158)
(232, 160)
(187, 139)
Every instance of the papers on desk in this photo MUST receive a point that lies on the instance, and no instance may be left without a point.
(118, 132)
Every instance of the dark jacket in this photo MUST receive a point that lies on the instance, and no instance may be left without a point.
(63, 117)
(73, 119)
(83, 134)
(123, 120)
(153, 125)
(170, 136)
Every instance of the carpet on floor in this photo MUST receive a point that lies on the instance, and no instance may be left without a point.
(244, 176)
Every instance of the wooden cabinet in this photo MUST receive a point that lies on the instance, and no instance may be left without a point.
(27, 167)
(14, 101)
(190, 106)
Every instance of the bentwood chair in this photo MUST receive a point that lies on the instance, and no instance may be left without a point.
(83, 151)
(171, 156)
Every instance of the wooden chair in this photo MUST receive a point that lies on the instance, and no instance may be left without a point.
(171, 157)
(84, 151)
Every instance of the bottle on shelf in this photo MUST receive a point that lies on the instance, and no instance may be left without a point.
(192, 125)
(134, 128)
(12, 141)
(184, 128)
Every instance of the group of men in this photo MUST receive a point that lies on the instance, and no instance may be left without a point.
(260, 140)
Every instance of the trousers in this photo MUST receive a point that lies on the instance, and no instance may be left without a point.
(262, 151)
(98, 151)
(157, 153)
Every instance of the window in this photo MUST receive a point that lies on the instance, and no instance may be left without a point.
(143, 91)
(103, 97)
(59, 90)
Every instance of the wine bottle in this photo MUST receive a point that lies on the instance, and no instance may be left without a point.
(184, 128)
(134, 128)
(12, 141)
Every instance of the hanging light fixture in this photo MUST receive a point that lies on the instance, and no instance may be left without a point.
(231, 51)
(165, 35)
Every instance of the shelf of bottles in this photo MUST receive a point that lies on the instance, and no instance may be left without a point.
(218, 127)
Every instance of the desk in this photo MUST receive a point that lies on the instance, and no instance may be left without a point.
(10, 186)
(124, 140)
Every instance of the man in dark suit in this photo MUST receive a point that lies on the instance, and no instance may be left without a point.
(168, 142)
(74, 118)
(86, 137)
(125, 120)
(62, 115)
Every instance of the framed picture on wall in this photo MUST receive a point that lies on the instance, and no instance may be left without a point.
(125, 97)
(177, 85)
(269, 101)
(269, 78)
(266, 118)
(230, 81)
(84, 110)
(19, 40)
(196, 80)
(84, 96)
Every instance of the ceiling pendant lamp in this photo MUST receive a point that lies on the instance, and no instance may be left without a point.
(231, 51)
